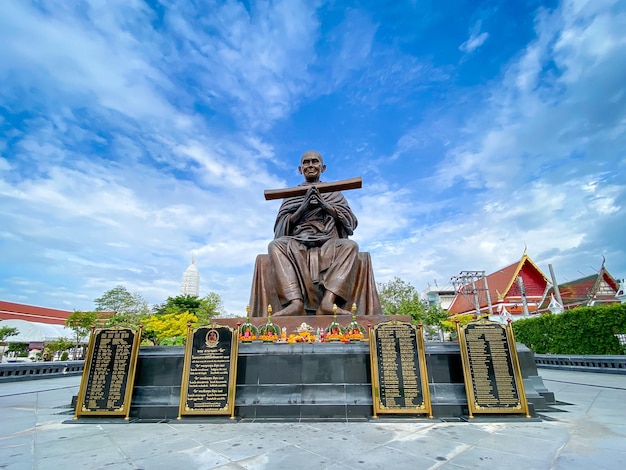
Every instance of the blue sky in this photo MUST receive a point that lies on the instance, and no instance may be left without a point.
(134, 133)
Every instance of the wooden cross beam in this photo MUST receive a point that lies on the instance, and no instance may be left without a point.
(343, 185)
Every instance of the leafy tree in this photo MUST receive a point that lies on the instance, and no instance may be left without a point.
(449, 324)
(398, 297)
(20, 348)
(203, 308)
(61, 344)
(128, 307)
(169, 328)
(433, 318)
(81, 323)
(5, 332)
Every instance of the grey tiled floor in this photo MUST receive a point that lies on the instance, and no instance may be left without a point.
(587, 431)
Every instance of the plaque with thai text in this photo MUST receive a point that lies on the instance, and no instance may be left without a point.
(398, 364)
(493, 378)
(109, 372)
(209, 372)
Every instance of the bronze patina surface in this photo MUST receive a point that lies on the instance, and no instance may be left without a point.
(312, 264)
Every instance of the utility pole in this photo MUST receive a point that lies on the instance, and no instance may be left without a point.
(468, 284)
(557, 292)
(489, 306)
(522, 289)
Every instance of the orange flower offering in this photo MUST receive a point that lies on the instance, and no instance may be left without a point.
(334, 331)
(269, 332)
(302, 337)
(354, 331)
(354, 336)
(268, 337)
(247, 332)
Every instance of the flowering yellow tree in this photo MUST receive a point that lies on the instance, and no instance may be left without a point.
(463, 318)
(169, 329)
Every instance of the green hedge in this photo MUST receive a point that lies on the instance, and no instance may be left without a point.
(583, 330)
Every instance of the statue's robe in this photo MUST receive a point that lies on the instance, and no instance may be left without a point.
(311, 256)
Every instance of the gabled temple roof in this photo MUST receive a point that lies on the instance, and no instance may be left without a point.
(600, 287)
(502, 284)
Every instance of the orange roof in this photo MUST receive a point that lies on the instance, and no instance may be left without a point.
(14, 311)
(502, 284)
(51, 316)
(600, 287)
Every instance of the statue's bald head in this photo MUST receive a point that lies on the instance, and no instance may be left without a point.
(312, 166)
(312, 153)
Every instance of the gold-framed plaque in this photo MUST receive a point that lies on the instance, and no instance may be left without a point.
(491, 370)
(209, 372)
(398, 366)
(106, 387)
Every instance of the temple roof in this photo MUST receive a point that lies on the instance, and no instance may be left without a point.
(15, 311)
(502, 284)
(600, 287)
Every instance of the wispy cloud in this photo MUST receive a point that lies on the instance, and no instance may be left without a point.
(132, 134)
(537, 164)
(474, 42)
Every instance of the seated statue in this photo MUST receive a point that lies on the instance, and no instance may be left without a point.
(311, 264)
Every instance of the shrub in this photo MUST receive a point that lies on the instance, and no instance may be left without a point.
(583, 330)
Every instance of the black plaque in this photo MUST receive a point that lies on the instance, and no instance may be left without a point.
(209, 373)
(491, 368)
(107, 381)
(399, 376)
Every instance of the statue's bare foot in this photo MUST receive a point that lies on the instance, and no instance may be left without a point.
(295, 308)
(327, 305)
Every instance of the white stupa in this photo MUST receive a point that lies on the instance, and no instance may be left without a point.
(191, 280)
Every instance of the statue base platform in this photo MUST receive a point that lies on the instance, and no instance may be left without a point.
(312, 381)
(314, 321)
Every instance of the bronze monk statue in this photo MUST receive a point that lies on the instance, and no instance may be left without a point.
(312, 264)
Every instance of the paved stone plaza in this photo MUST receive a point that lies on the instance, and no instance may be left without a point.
(586, 430)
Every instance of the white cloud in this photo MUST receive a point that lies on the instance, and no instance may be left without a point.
(256, 65)
(68, 54)
(4, 165)
(525, 161)
(134, 137)
(474, 42)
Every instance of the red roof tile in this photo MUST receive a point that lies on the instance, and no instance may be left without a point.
(14, 311)
(588, 288)
(502, 285)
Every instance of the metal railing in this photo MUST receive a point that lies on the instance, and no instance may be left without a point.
(606, 364)
(14, 371)
(10, 372)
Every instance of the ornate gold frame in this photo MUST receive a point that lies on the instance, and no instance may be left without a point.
(229, 409)
(379, 408)
(473, 406)
(124, 410)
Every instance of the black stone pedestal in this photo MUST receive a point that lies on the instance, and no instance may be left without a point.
(312, 381)
(304, 380)
(156, 394)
